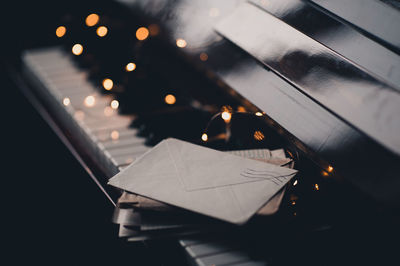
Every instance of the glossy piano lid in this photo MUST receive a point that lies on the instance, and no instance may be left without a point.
(312, 109)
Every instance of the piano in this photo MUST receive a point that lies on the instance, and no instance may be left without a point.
(318, 78)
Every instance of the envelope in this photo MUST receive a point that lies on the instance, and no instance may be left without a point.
(203, 180)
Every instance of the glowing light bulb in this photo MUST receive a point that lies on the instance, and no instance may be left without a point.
(114, 104)
(77, 49)
(130, 67)
(226, 116)
(181, 43)
(203, 57)
(66, 101)
(102, 31)
(108, 84)
(258, 135)
(241, 109)
(259, 114)
(170, 99)
(60, 31)
(316, 186)
(114, 135)
(330, 169)
(92, 20)
(295, 182)
(204, 137)
(90, 101)
(142, 33)
(324, 173)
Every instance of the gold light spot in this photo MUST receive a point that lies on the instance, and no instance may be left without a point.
(316, 186)
(324, 173)
(90, 101)
(204, 137)
(108, 84)
(295, 182)
(181, 43)
(170, 99)
(130, 67)
(241, 109)
(203, 57)
(77, 49)
(154, 29)
(293, 202)
(114, 104)
(60, 31)
(114, 135)
(108, 111)
(226, 116)
(92, 20)
(259, 114)
(330, 169)
(66, 101)
(258, 135)
(142, 33)
(102, 31)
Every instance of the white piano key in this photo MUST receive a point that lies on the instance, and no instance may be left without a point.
(134, 150)
(211, 248)
(122, 142)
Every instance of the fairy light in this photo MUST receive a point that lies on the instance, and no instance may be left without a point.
(60, 31)
(181, 43)
(77, 49)
(108, 84)
(316, 186)
(258, 135)
(90, 101)
(259, 114)
(226, 116)
(114, 104)
(324, 173)
(295, 182)
(66, 101)
(204, 137)
(130, 67)
(330, 169)
(114, 135)
(92, 20)
(102, 31)
(142, 33)
(170, 99)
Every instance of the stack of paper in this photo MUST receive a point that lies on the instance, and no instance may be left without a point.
(178, 188)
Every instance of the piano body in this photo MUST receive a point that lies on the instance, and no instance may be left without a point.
(320, 79)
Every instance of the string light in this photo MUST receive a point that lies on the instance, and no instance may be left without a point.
(90, 101)
(114, 104)
(258, 135)
(330, 169)
(130, 67)
(170, 99)
(295, 182)
(66, 101)
(204, 137)
(226, 116)
(181, 43)
(92, 20)
(60, 31)
(102, 31)
(142, 33)
(77, 49)
(108, 84)
(316, 186)
(324, 173)
(114, 135)
(259, 114)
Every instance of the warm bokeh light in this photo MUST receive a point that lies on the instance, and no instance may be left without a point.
(142, 33)
(92, 20)
(324, 173)
(154, 29)
(181, 43)
(66, 101)
(102, 31)
(60, 31)
(77, 49)
(258, 135)
(330, 169)
(241, 109)
(114, 135)
(295, 182)
(204, 137)
(130, 67)
(259, 114)
(170, 99)
(108, 84)
(316, 186)
(108, 111)
(203, 57)
(90, 101)
(114, 104)
(226, 116)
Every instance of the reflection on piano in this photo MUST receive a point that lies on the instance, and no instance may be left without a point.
(306, 76)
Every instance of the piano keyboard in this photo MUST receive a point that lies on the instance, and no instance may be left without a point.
(108, 135)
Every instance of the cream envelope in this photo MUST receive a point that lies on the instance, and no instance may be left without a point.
(203, 180)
